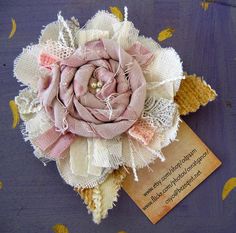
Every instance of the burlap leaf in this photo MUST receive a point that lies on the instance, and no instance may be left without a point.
(102, 197)
(193, 93)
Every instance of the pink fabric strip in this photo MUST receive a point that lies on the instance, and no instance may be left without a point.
(142, 131)
(47, 139)
(54, 143)
(61, 145)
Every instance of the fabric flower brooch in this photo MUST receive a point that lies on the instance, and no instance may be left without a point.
(99, 99)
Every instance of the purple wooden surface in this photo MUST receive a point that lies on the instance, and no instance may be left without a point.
(34, 198)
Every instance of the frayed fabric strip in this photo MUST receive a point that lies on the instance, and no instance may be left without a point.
(54, 143)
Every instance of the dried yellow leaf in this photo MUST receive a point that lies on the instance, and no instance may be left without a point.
(15, 113)
(117, 12)
(13, 30)
(205, 5)
(165, 34)
(1, 184)
(228, 187)
(60, 228)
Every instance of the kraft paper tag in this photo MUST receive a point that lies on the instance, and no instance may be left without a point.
(188, 162)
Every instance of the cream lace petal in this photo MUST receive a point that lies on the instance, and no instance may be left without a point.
(50, 32)
(103, 21)
(36, 126)
(125, 34)
(62, 31)
(171, 133)
(26, 68)
(164, 74)
(150, 44)
(83, 36)
(28, 104)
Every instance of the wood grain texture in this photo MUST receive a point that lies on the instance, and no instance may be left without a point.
(34, 197)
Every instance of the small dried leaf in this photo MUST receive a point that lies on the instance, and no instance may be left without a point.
(228, 187)
(15, 113)
(13, 30)
(165, 34)
(60, 228)
(205, 5)
(117, 12)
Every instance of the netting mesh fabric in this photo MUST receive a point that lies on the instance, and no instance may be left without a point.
(57, 49)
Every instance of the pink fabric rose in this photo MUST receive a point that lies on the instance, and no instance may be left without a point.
(111, 110)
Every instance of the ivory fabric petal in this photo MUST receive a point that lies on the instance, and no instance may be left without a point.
(64, 168)
(26, 67)
(103, 21)
(164, 74)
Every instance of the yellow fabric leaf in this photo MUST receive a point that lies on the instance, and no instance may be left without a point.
(87, 196)
(102, 197)
(193, 93)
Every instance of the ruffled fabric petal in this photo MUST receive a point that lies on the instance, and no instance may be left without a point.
(26, 67)
(150, 44)
(50, 32)
(103, 21)
(164, 74)
(61, 30)
(83, 36)
(28, 104)
(125, 34)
